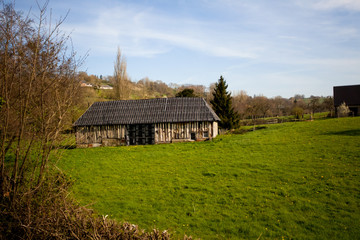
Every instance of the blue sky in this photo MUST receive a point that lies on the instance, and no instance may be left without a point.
(273, 48)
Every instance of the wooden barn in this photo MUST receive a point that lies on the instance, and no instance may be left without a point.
(146, 121)
(350, 95)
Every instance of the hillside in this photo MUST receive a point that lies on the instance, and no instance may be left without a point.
(292, 180)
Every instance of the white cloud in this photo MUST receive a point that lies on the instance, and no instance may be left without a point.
(352, 5)
(145, 31)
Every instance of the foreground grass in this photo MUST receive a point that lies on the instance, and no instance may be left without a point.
(293, 180)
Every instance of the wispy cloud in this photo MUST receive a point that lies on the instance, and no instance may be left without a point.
(148, 32)
(352, 5)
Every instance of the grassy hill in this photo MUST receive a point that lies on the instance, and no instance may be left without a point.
(292, 180)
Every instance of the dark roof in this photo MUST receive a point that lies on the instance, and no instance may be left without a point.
(348, 94)
(159, 110)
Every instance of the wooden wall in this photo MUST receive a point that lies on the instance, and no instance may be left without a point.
(92, 136)
(116, 135)
(173, 132)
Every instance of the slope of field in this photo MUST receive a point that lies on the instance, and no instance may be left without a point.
(292, 180)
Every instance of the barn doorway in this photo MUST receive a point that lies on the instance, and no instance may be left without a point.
(140, 134)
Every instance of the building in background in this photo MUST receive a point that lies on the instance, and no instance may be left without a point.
(350, 95)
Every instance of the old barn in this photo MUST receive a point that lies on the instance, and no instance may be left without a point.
(146, 121)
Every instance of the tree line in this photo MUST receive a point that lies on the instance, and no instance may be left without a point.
(244, 105)
(252, 107)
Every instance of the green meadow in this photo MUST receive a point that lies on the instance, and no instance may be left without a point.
(293, 180)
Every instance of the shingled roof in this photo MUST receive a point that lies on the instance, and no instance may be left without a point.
(146, 111)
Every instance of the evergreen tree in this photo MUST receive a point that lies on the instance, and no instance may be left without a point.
(222, 105)
(187, 92)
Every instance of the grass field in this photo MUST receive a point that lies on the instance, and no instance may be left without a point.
(292, 180)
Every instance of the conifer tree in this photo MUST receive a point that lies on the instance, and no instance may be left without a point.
(187, 92)
(222, 105)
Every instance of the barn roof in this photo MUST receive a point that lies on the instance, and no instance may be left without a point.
(146, 111)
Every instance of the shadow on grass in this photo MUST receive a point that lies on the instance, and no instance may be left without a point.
(353, 132)
(243, 130)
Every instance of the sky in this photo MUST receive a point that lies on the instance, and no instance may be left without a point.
(271, 48)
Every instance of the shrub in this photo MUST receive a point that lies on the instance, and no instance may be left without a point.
(298, 112)
(343, 110)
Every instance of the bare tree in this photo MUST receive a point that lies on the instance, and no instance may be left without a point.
(313, 105)
(281, 106)
(38, 88)
(328, 105)
(240, 102)
(121, 78)
(260, 106)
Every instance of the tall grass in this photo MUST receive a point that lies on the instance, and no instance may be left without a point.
(292, 180)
